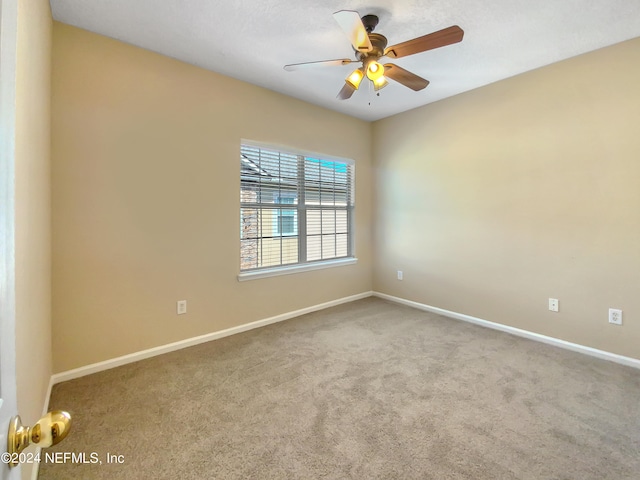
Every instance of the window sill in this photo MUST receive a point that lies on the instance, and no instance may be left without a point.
(274, 272)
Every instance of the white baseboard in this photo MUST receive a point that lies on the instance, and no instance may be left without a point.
(152, 352)
(189, 342)
(35, 471)
(45, 408)
(45, 405)
(612, 357)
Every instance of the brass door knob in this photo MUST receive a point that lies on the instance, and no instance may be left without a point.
(49, 430)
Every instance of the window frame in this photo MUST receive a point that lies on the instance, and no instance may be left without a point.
(300, 225)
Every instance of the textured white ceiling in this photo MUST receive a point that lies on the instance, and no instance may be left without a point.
(253, 40)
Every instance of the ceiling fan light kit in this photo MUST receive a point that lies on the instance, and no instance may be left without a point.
(355, 78)
(374, 71)
(370, 47)
(380, 83)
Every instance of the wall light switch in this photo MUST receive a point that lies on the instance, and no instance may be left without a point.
(400, 275)
(553, 304)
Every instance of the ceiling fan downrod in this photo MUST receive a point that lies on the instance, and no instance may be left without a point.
(370, 22)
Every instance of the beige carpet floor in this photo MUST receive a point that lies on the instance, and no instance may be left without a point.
(366, 390)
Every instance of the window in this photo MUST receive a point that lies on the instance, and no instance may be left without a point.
(286, 220)
(295, 209)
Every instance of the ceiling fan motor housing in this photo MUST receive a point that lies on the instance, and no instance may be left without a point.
(379, 43)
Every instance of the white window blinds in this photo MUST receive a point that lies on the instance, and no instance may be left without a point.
(294, 208)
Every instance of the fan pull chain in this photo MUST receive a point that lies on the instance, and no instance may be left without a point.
(377, 94)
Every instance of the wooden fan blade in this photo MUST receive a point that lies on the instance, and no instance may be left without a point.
(352, 26)
(430, 41)
(346, 92)
(322, 63)
(405, 77)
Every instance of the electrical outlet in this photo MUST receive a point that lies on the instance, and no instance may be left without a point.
(182, 307)
(553, 304)
(615, 316)
(400, 276)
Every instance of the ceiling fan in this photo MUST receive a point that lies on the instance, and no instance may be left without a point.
(371, 47)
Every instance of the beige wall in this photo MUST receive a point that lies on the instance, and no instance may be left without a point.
(146, 183)
(490, 202)
(33, 217)
(497, 199)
